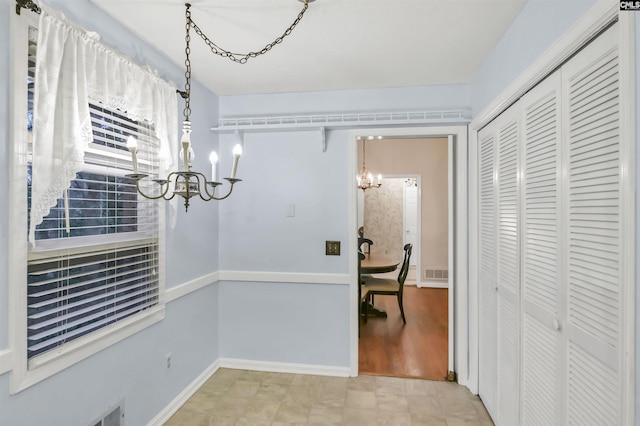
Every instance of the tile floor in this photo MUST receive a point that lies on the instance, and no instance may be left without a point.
(240, 397)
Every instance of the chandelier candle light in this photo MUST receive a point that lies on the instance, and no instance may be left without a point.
(365, 178)
(188, 183)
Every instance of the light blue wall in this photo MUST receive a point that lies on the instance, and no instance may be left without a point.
(392, 99)
(292, 322)
(133, 369)
(286, 322)
(279, 169)
(535, 29)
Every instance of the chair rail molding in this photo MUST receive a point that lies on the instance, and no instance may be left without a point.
(183, 289)
(285, 277)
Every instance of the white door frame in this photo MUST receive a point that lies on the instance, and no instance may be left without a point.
(458, 245)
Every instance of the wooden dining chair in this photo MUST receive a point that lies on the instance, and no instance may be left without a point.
(388, 287)
(364, 241)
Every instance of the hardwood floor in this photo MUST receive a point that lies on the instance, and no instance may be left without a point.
(418, 349)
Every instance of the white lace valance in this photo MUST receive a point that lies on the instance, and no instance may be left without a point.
(73, 68)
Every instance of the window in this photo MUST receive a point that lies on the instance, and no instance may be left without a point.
(96, 258)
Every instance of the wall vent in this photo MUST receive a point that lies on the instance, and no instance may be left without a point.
(114, 416)
(436, 274)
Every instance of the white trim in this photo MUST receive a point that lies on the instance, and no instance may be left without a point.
(285, 367)
(196, 284)
(628, 164)
(16, 241)
(6, 360)
(433, 284)
(165, 414)
(354, 301)
(474, 266)
(285, 277)
(450, 253)
(178, 291)
(458, 289)
(460, 262)
(595, 20)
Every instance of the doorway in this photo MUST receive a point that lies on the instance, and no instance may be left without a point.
(391, 215)
(456, 291)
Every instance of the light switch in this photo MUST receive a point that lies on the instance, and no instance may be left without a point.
(332, 248)
(291, 210)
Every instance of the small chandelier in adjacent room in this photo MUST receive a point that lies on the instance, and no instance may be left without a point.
(186, 182)
(365, 178)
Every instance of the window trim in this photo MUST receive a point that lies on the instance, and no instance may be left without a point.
(27, 373)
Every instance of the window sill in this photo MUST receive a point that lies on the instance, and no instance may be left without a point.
(52, 362)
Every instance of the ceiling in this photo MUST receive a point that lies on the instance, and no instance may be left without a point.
(338, 45)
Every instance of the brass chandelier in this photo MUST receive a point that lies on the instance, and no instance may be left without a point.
(364, 178)
(186, 182)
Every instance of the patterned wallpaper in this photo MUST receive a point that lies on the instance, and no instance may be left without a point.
(383, 217)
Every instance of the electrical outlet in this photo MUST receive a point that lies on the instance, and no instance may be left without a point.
(167, 359)
(332, 248)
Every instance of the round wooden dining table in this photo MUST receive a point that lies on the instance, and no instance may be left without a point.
(378, 264)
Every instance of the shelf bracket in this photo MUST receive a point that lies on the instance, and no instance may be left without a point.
(240, 137)
(323, 139)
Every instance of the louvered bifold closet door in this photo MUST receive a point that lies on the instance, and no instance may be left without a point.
(487, 326)
(508, 280)
(541, 248)
(594, 282)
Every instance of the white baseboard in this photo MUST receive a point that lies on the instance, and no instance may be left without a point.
(168, 411)
(433, 284)
(284, 367)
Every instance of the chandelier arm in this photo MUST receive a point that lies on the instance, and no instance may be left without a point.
(202, 179)
(226, 196)
(162, 194)
(242, 58)
(232, 181)
(210, 195)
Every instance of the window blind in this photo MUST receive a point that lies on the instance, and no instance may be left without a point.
(104, 266)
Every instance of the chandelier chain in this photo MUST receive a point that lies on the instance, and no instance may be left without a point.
(187, 63)
(186, 182)
(242, 58)
(364, 153)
